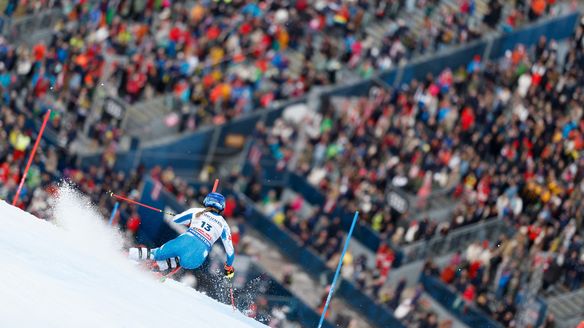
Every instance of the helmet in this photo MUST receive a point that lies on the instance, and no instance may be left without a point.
(215, 200)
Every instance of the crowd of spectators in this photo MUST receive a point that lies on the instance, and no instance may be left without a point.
(328, 36)
(347, 42)
(499, 136)
(62, 73)
(497, 277)
(221, 59)
(506, 136)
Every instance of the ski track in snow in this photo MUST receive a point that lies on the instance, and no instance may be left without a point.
(72, 274)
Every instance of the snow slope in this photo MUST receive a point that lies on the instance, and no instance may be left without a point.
(72, 274)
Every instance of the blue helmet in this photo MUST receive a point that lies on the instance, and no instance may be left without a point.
(215, 200)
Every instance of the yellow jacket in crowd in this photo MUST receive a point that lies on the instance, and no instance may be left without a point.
(19, 140)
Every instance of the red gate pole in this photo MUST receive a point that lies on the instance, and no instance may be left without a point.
(31, 157)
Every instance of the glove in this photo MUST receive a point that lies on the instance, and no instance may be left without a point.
(229, 271)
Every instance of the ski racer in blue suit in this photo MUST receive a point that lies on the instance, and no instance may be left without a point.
(190, 249)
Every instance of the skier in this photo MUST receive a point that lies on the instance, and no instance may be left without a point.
(190, 249)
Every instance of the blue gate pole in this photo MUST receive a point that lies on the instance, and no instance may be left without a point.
(330, 295)
(114, 211)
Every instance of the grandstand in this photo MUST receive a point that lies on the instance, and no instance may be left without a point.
(455, 127)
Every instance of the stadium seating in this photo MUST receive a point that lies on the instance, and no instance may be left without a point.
(501, 139)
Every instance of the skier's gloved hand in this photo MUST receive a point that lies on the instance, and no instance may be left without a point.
(229, 271)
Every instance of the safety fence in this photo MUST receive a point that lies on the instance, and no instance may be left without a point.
(154, 231)
(363, 232)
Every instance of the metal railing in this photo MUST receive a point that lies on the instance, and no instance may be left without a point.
(23, 29)
(456, 240)
(567, 306)
(142, 118)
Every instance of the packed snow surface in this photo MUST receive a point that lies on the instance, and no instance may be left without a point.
(72, 273)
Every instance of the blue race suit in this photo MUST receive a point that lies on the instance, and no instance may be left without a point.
(193, 246)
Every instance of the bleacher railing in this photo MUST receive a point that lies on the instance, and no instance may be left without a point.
(457, 239)
(22, 29)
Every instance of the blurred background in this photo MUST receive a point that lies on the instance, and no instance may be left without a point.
(455, 127)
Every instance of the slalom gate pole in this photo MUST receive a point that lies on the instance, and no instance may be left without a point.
(232, 299)
(31, 157)
(114, 211)
(215, 185)
(122, 198)
(328, 299)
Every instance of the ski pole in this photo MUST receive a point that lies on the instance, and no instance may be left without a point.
(139, 204)
(215, 185)
(114, 211)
